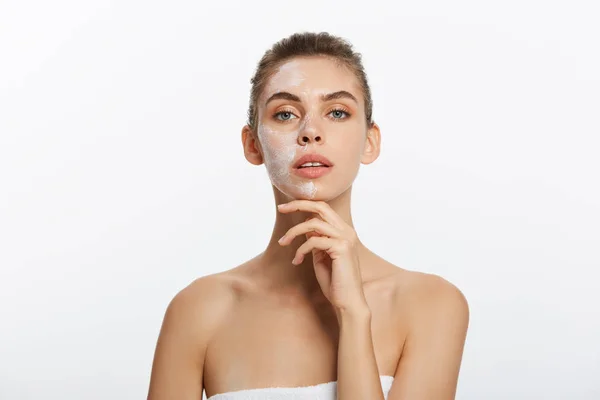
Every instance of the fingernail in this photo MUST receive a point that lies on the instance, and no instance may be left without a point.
(281, 239)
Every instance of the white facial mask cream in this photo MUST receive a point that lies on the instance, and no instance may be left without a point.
(280, 147)
(279, 150)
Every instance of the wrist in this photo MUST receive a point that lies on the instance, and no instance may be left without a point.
(358, 314)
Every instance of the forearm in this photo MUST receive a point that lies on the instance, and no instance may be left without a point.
(358, 375)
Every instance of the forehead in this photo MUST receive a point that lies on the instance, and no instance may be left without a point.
(312, 75)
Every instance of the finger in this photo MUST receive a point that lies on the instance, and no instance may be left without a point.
(314, 243)
(315, 225)
(321, 208)
(314, 232)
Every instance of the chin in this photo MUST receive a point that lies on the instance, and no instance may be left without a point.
(312, 191)
(323, 189)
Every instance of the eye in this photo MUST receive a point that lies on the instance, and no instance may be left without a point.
(339, 113)
(284, 115)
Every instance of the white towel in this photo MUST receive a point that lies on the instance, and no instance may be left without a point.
(322, 391)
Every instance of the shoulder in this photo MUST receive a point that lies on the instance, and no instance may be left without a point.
(201, 304)
(191, 319)
(434, 290)
(424, 297)
(434, 301)
(437, 316)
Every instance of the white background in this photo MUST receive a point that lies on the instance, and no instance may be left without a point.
(122, 177)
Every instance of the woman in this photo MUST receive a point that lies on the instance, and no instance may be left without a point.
(317, 314)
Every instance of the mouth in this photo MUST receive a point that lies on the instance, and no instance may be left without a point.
(312, 172)
(312, 166)
(313, 160)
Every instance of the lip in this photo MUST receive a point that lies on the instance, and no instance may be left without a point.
(314, 157)
(312, 172)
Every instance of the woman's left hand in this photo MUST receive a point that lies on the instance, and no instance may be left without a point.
(334, 245)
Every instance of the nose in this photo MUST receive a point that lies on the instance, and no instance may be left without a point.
(310, 134)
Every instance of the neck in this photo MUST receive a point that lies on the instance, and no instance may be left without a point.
(276, 260)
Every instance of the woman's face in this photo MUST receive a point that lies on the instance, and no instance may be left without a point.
(311, 105)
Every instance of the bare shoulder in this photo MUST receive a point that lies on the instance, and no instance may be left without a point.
(209, 295)
(420, 290)
(431, 288)
(431, 295)
(191, 319)
(206, 302)
(203, 304)
(437, 318)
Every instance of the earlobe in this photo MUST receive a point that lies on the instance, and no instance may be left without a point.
(251, 145)
(372, 145)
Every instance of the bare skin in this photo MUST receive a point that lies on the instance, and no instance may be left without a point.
(266, 322)
(244, 333)
(290, 337)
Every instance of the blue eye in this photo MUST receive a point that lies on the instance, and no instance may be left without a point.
(285, 115)
(339, 114)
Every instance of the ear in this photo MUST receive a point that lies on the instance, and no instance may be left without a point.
(372, 145)
(252, 149)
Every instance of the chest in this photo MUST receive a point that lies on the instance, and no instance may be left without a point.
(266, 343)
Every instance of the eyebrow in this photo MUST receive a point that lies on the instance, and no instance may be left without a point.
(340, 94)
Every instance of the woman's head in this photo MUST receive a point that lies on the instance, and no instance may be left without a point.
(310, 95)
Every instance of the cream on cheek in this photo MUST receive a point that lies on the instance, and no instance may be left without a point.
(279, 150)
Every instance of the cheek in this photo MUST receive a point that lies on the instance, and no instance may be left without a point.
(272, 143)
(350, 140)
(278, 148)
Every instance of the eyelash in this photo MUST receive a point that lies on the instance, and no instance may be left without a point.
(335, 119)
